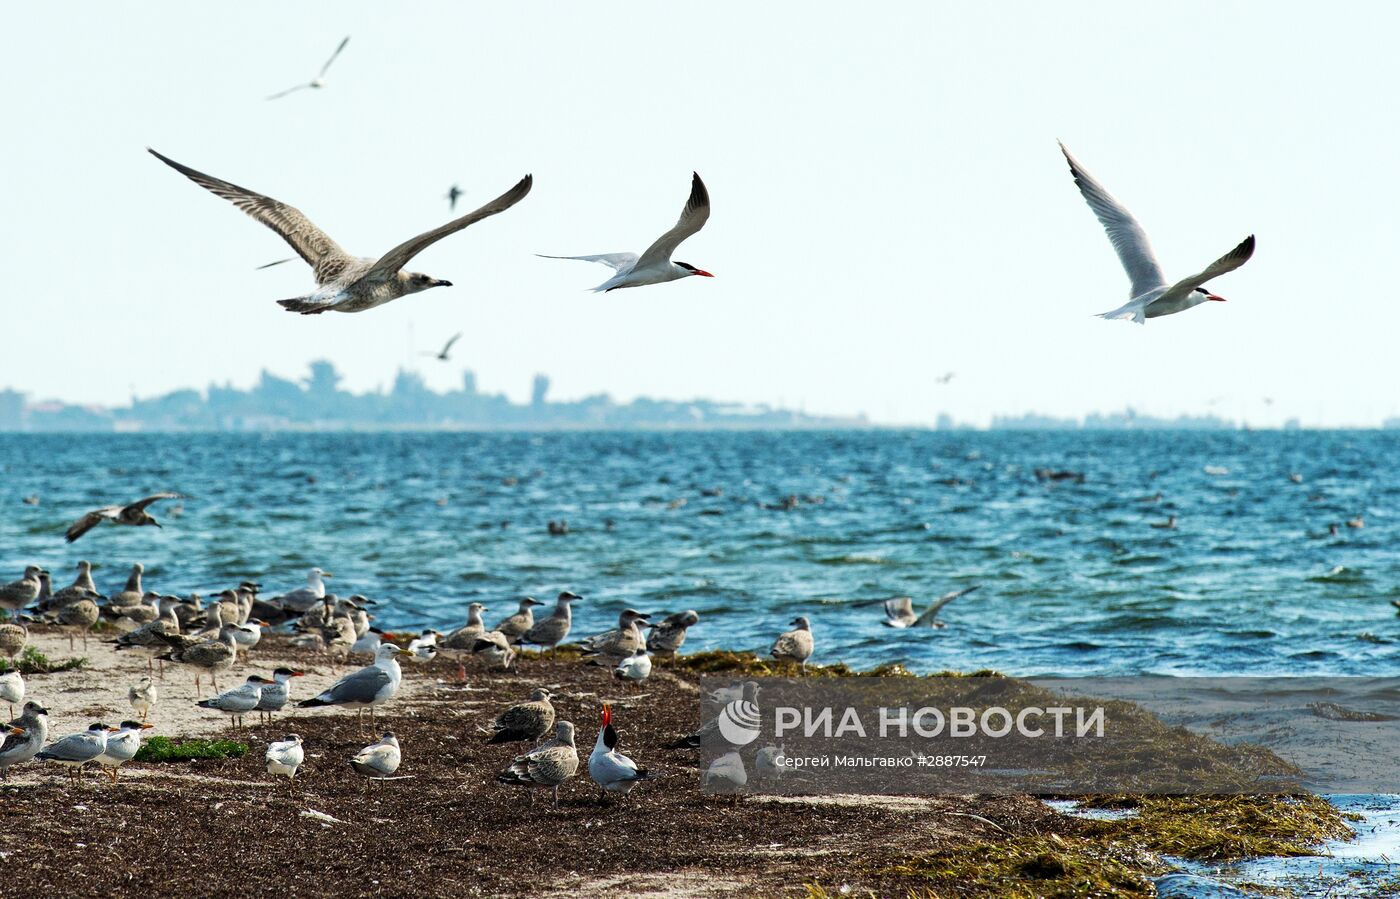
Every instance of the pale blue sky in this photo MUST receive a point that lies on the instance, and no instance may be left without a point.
(888, 199)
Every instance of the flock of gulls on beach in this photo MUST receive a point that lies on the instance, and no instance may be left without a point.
(209, 638)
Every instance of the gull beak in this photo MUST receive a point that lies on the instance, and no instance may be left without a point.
(1215, 298)
(405, 652)
(326, 574)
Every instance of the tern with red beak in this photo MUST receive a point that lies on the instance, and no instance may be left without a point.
(1150, 296)
(612, 771)
(654, 266)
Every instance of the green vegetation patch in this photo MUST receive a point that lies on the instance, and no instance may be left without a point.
(32, 661)
(164, 749)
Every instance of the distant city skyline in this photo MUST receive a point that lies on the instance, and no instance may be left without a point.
(889, 203)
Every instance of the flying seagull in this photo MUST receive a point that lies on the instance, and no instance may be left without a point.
(453, 193)
(1150, 295)
(945, 377)
(899, 612)
(445, 356)
(345, 283)
(320, 80)
(655, 266)
(133, 514)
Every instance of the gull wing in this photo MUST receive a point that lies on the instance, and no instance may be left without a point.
(143, 503)
(90, 521)
(926, 619)
(615, 261)
(1227, 263)
(693, 218)
(362, 686)
(399, 256)
(324, 255)
(338, 48)
(448, 346)
(1128, 239)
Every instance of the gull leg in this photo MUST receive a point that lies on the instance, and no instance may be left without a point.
(162, 669)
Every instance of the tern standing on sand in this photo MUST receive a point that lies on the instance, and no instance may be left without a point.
(1149, 296)
(285, 756)
(239, 701)
(654, 266)
(346, 283)
(122, 746)
(76, 750)
(612, 771)
(276, 692)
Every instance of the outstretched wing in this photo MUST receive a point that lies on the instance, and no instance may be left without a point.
(291, 90)
(340, 47)
(311, 243)
(447, 348)
(1124, 232)
(693, 218)
(926, 619)
(1227, 263)
(156, 497)
(399, 256)
(615, 261)
(90, 521)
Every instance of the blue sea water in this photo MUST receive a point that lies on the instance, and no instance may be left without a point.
(1073, 579)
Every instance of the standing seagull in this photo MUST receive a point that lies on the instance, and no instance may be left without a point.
(285, 756)
(668, 636)
(796, 644)
(528, 720)
(445, 354)
(1150, 296)
(320, 80)
(12, 689)
(18, 748)
(654, 266)
(514, 627)
(368, 687)
(345, 283)
(548, 633)
(547, 765)
(378, 760)
(18, 594)
(133, 514)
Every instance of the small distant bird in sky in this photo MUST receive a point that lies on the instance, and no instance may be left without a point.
(133, 514)
(445, 355)
(451, 196)
(655, 266)
(345, 283)
(1150, 295)
(271, 264)
(320, 80)
(945, 378)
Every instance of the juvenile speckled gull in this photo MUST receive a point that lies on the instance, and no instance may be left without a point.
(668, 636)
(796, 644)
(1149, 296)
(514, 627)
(345, 283)
(549, 632)
(131, 514)
(528, 720)
(547, 765)
(18, 748)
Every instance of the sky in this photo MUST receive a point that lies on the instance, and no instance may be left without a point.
(889, 203)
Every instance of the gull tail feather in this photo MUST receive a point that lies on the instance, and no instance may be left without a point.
(304, 306)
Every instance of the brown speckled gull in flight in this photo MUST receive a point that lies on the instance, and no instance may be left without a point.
(345, 283)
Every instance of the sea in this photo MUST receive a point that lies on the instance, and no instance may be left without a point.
(1075, 575)
(1075, 569)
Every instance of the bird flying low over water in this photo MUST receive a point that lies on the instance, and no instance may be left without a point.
(133, 514)
(345, 283)
(1150, 296)
(899, 612)
(320, 80)
(654, 266)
